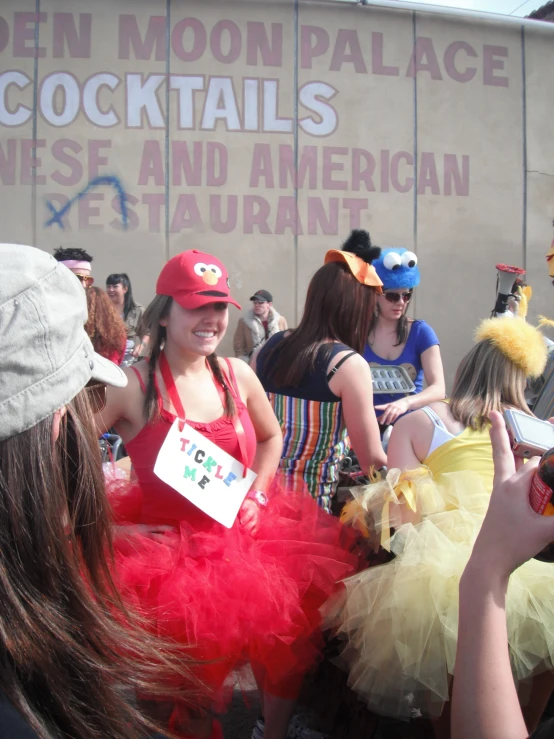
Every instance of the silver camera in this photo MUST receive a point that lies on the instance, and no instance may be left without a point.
(529, 436)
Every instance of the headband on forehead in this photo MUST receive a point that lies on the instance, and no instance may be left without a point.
(358, 254)
(72, 264)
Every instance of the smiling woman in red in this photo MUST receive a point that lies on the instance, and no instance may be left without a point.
(250, 592)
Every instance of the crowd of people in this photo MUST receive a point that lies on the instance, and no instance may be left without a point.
(114, 317)
(129, 605)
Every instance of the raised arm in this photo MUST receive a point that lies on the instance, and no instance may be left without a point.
(353, 384)
(485, 703)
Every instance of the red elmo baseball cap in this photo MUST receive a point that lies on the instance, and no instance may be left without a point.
(194, 279)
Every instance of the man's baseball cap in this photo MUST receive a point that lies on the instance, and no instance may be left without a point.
(262, 296)
(46, 358)
(194, 279)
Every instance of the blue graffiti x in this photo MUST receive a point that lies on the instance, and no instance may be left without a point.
(112, 181)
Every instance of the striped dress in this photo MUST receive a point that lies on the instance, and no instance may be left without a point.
(315, 439)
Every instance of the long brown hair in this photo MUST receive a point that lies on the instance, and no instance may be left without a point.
(486, 380)
(70, 650)
(402, 326)
(337, 308)
(158, 310)
(104, 326)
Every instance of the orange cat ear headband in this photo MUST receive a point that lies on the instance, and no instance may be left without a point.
(358, 254)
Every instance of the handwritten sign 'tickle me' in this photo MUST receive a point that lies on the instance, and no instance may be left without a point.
(203, 473)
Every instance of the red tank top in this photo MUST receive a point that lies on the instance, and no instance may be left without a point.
(160, 503)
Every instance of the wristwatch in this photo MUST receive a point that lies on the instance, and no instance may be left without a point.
(258, 496)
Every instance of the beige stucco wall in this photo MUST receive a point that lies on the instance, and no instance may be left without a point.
(378, 90)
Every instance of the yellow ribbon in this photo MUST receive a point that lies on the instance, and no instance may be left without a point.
(354, 514)
(405, 489)
(397, 488)
(385, 523)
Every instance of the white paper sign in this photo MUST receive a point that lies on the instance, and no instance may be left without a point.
(203, 473)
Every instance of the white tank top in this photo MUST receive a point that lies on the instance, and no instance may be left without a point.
(440, 433)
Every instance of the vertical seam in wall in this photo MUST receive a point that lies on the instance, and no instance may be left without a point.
(167, 119)
(524, 129)
(415, 214)
(295, 117)
(35, 126)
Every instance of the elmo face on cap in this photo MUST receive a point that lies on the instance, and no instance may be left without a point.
(194, 279)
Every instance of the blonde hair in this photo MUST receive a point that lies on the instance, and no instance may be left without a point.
(486, 381)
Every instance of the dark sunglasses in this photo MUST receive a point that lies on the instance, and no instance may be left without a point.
(97, 394)
(397, 297)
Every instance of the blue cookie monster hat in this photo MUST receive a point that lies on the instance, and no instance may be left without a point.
(397, 268)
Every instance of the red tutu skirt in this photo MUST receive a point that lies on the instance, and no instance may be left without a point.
(229, 596)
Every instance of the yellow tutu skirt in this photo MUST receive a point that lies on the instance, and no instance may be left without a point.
(400, 620)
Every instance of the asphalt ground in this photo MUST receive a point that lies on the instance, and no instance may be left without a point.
(332, 707)
(241, 717)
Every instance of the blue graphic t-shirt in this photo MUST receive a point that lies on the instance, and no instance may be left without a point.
(421, 337)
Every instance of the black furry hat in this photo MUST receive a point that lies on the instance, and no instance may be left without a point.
(359, 244)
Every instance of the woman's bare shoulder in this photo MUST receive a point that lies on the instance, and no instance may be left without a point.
(244, 374)
(413, 421)
(141, 367)
(137, 379)
(240, 367)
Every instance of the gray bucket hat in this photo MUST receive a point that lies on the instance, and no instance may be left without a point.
(46, 357)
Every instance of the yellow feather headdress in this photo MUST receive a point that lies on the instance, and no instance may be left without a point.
(522, 343)
(546, 322)
(525, 295)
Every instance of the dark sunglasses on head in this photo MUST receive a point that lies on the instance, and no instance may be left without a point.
(97, 394)
(397, 297)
